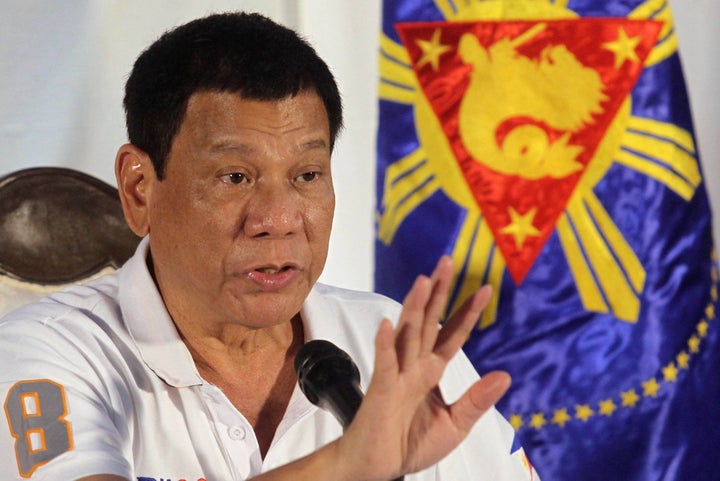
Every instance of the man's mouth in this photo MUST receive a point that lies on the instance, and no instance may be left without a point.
(273, 278)
(271, 270)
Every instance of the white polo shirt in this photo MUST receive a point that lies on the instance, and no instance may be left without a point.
(95, 379)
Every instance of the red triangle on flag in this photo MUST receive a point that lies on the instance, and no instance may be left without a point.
(524, 106)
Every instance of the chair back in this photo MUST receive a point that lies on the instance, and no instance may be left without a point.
(58, 226)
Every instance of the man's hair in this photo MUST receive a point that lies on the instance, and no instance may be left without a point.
(241, 53)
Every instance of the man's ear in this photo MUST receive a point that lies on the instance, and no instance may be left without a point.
(135, 176)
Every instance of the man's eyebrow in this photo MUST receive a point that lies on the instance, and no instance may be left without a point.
(230, 145)
(314, 144)
(233, 145)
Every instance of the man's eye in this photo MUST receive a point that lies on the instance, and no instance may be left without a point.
(236, 178)
(308, 176)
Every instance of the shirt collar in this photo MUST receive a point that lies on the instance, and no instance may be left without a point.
(150, 325)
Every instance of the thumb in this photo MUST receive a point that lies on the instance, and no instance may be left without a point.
(479, 398)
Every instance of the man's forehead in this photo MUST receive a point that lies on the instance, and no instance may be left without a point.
(231, 104)
(221, 119)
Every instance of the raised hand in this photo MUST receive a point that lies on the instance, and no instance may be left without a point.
(403, 424)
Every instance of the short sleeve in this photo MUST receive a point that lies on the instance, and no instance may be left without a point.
(61, 405)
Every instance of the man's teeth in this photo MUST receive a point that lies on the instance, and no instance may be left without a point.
(269, 270)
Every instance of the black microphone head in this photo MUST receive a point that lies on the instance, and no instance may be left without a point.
(319, 364)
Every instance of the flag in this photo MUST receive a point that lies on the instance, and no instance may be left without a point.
(548, 147)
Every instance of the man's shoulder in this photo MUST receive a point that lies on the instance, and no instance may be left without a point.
(357, 309)
(73, 307)
(342, 295)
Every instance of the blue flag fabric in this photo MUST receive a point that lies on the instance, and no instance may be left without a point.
(547, 146)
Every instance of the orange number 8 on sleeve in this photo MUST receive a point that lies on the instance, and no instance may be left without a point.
(36, 413)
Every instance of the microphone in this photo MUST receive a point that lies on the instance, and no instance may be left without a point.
(329, 378)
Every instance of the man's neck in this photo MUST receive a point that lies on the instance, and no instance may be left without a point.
(255, 371)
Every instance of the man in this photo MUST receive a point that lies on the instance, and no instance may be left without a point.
(180, 364)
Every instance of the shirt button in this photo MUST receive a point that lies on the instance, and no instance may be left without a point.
(236, 433)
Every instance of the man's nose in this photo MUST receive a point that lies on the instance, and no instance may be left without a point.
(273, 211)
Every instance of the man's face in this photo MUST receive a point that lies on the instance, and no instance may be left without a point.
(240, 225)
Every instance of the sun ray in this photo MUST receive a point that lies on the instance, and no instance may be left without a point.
(447, 8)
(393, 50)
(667, 142)
(628, 260)
(662, 151)
(464, 10)
(667, 42)
(397, 79)
(474, 246)
(606, 270)
(669, 132)
(408, 183)
(587, 285)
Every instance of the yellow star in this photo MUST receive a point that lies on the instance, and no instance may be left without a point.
(683, 360)
(521, 226)
(629, 398)
(607, 407)
(710, 311)
(702, 328)
(694, 344)
(516, 421)
(650, 387)
(583, 411)
(560, 417)
(432, 50)
(670, 373)
(623, 48)
(538, 420)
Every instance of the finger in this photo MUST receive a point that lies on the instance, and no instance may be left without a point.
(478, 399)
(458, 328)
(407, 342)
(441, 279)
(386, 361)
